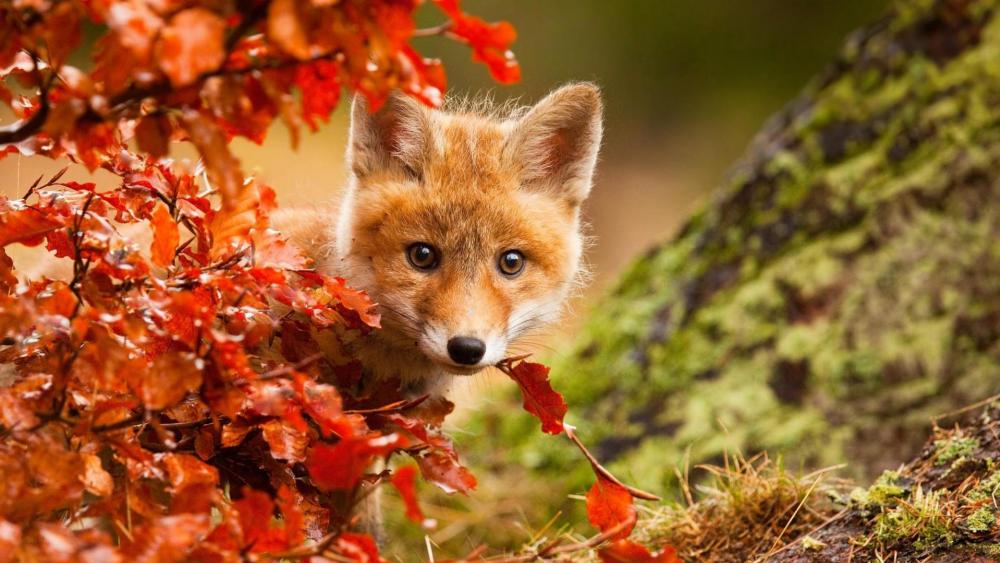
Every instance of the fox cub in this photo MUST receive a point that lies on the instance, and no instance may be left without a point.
(463, 226)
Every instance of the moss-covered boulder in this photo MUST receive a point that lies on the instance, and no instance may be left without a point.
(843, 286)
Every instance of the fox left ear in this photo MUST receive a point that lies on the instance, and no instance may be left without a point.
(395, 136)
(555, 144)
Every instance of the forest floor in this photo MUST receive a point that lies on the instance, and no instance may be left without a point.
(942, 506)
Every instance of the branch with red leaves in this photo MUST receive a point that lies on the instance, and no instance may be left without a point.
(208, 71)
(610, 506)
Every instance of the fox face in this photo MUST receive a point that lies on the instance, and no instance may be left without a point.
(464, 227)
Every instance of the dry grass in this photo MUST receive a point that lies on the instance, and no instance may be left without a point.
(751, 508)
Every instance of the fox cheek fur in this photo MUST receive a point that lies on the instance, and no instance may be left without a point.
(472, 186)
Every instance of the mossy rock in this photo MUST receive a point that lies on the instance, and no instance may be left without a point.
(842, 288)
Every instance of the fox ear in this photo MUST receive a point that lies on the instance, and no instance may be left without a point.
(555, 144)
(395, 136)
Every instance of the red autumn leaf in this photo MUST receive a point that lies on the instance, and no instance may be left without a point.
(166, 236)
(286, 442)
(166, 538)
(223, 169)
(358, 547)
(289, 503)
(539, 397)
(255, 510)
(191, 44)
(23, 224)
(319, 85)
(286, 26)
(356, 300)
(446, 472)
(95, 478)
(341, 466)
(625, 551)
(7, 278)
(171, 376)
(490, 41)
(404, 479)
(610, 505)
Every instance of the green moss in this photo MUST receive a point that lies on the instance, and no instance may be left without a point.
(922, 521)
(981, 520)
(885, 490)
(810, 544)
(953, 449)
(986, 490)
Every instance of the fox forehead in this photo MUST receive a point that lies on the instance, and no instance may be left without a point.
(468, 152)
(467, 225)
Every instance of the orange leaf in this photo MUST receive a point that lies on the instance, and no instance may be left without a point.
(223, 168)
(23, 224)
(285, 441)
(191, 45)
(404, 479)
(171, 376)
(609, 505)
(359, 548)
(166, 236)
(341, 466)
(539, 397)
(285, 27)
(624, 551)
(443, 470)
(95, 478)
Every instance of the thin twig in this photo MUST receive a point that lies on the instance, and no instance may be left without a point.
(598, 468)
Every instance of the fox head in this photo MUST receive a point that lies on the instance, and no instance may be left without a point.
(465, 227)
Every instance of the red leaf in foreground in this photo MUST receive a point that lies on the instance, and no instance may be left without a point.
(165, 236)
(609, 505)
(19, 223)
(624, 551)
(358, 547)
(255, 510)
(404, 479)
(539, 397)
(444, 471)
(341, 466)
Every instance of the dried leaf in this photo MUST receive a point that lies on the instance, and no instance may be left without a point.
(166, 236)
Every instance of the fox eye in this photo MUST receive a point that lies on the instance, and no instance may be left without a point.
(511, 263)
(422, 256)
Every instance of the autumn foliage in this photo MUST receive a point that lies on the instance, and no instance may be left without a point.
(175, 398)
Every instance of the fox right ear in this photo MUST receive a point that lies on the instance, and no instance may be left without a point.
(395, 136)
(555, 144)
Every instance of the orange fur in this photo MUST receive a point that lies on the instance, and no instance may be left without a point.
(473, 186)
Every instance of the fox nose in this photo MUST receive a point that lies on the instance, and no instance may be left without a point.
(466, 350)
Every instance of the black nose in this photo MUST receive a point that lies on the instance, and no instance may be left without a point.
(465, 350)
